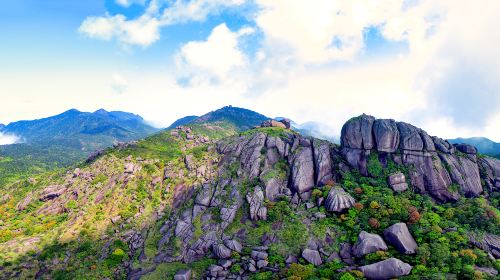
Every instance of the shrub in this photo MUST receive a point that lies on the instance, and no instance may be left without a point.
(301, 271)
(347, 276)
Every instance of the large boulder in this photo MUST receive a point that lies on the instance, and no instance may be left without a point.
(368, 243)
(183, 274)
(409, 137)
(221, 251)
(490, 167)
(464, 171)
(387, 269)
(338, 200)
(397, 182)
(488, 242)
(466, 148)
(357, 133)
(323, 164)
(312, 256)
(302, 170)
(386, 135)
(52, 192)
(400, 237)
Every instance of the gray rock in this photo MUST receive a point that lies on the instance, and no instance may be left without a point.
(204, 196)
(129, 168)
(257, 209)
(183, 274)
(221, 251)
(262, 264)
(52, 192)
(302, 170)
(225, 263)
(386, 135)
(487, 270)
(345, 253)
(387, 269)
(409, 137)
(398, 182)
(357, 133)
(312, 256)
(291, 259)
(368, 243)
(399, 236)
(488, 242)
(338, 200)
(233, 245)
(466, 148)
(491, 169)
(323, 162)
(258, 255)
(464, 171)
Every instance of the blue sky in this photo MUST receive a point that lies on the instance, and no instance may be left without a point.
(319, 60)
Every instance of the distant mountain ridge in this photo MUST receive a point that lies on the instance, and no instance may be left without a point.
(242, 119)
(64, 139)
(483, 144)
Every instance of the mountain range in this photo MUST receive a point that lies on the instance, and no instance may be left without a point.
(64, 139)
(218, 197)
(483, 145)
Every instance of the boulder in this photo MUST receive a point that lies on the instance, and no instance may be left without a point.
(52, 192)
(466, 148)
(323, 164)
(286, 122)
(398, 182)
(368, 243)
(233, 245)
(221, 251)
(302, 170)
(464, 171)
(273, 123)
(312, 256)
(387, 269)
(399, 236)
(129, 168)
(357, 133)
(409, 137)
(487, 242)
(338, 200)
(386, 135)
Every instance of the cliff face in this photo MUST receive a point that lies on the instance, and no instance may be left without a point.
(263, 204)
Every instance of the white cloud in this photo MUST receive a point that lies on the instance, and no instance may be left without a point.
(142, 31)
(7, 139)
(145, 30)
(214, 58)
(128, 3)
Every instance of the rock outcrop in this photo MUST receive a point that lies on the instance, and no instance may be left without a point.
(387, 269)
(434, 164)
(338, 200)
(398, 182)
(368, 243)
(400, 237)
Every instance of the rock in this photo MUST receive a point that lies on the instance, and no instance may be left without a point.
(368, 243)
(487, 242)
(189, 162)
(302, 170)
(466, 148)
(214, 270)
(262, 264)
(310, 205)
(273, 123)
(338, 200)
(129, 168)
(463, 171)
(312, 256)
(257, 209)
(323, 164)
(21, 205)
(221, 251)
(225, 263)
(409, 137)
(116, 219)
(386, 135)
(398, 182)
(258, 255)
(387, 269)
(183, 274)
(204, 196)
(491, 169)
(286, 122)
(487, 270)
(291, 259)
(399, 236)
(345, 253)
(233, 245)
(273, 187)
(441, 145)
(357, 133)
(52, 192)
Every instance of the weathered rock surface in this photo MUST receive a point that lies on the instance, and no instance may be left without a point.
(488, 242)
(357, 133)
(398, 182)
(400, 237)
(368, 243)
(183, 274)
(323, 162)
(312, 256)
(302, 168)
(386, 135)
(258, 210)
(52, 192)
(387, 269)
(338, 200)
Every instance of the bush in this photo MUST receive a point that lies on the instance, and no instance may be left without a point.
(347, 276)
(301, 271)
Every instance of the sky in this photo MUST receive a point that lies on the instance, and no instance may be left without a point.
(432, 63)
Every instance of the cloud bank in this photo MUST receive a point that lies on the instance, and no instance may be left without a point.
(7, 139)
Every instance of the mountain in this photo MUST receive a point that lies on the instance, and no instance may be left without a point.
(240, 118)
(317, 130)
(64, 139)
(206, 201)
(182, 121)
(483, 144)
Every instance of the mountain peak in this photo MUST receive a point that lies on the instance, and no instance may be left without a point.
(101, 111)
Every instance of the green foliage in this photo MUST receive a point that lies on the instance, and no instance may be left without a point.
(374, 167)
(347, 276)
(301, 271)
(267, 275)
